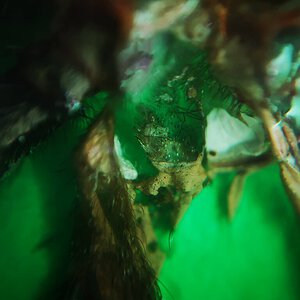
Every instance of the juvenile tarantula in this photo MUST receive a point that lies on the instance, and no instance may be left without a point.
(78, 58)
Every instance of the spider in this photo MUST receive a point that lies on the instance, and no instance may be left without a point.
(79, 58)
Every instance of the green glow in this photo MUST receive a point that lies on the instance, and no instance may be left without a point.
(255, 256)
(37, 201)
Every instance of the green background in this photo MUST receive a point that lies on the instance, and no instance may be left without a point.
(254, 256)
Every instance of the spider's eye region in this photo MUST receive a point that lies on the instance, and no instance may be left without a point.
(72, 104)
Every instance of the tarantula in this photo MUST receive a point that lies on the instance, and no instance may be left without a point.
(80, 57)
